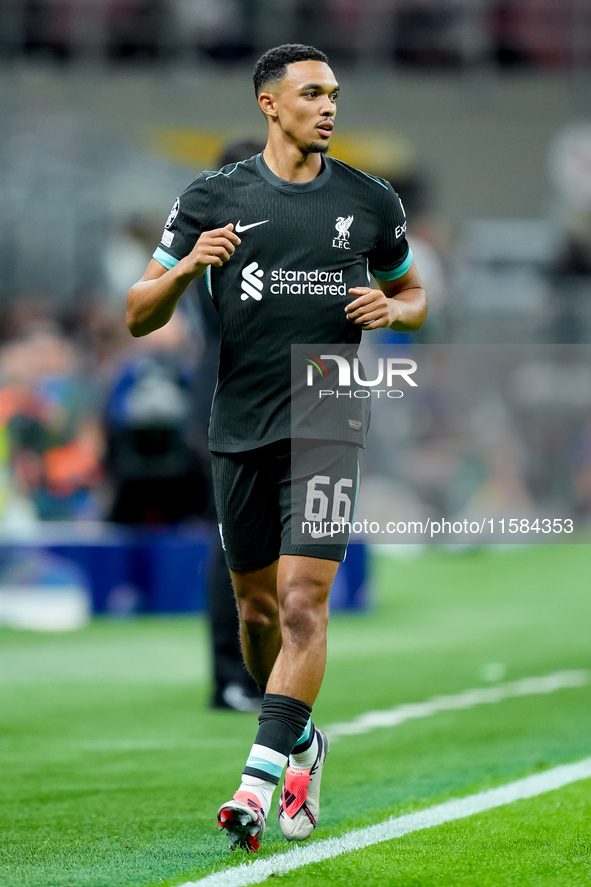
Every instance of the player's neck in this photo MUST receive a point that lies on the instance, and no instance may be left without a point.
(292, 165)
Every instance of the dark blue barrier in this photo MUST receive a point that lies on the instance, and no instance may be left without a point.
(349, 590)
(153, 571)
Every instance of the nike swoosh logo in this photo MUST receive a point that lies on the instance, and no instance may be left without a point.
(240, 228)
(320, 534)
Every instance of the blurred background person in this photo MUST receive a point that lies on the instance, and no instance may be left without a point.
(49, 408)
(569, 160)
(157, 477)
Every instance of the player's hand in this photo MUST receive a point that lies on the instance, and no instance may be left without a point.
(371, 309)
(213, 248)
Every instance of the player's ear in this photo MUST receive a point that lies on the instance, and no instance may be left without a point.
(267, 104)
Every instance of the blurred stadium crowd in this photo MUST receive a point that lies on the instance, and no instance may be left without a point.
(436, 34)
(95, 425)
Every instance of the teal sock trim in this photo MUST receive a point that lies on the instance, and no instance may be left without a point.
(306, 734)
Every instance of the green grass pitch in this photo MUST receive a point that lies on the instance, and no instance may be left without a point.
(112, 766)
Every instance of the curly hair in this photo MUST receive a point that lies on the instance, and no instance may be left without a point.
(272, 66)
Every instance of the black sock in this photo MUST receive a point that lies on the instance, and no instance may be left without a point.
(281, 723)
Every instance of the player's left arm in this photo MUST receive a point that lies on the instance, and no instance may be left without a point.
(400, 304)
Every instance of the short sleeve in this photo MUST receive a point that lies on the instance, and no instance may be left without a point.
(392, 256)
(186, 222)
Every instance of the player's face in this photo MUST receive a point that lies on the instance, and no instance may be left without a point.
(305, 105)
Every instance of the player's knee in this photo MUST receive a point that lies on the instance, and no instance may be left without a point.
(304, 609)
(258, 610)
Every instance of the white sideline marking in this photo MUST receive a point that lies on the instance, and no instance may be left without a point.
(458, 808)
(391, 717)
(373, 720)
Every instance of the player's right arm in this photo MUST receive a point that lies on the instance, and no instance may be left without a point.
(152, 300)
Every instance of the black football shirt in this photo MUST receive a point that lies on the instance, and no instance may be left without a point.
(303, 247)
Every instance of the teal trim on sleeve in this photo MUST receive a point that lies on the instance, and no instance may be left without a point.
(220, 173)
(397, 272)
(373, 178)
(164, 259)
(366, 174)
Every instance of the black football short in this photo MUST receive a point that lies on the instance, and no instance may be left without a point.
(289, 497)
